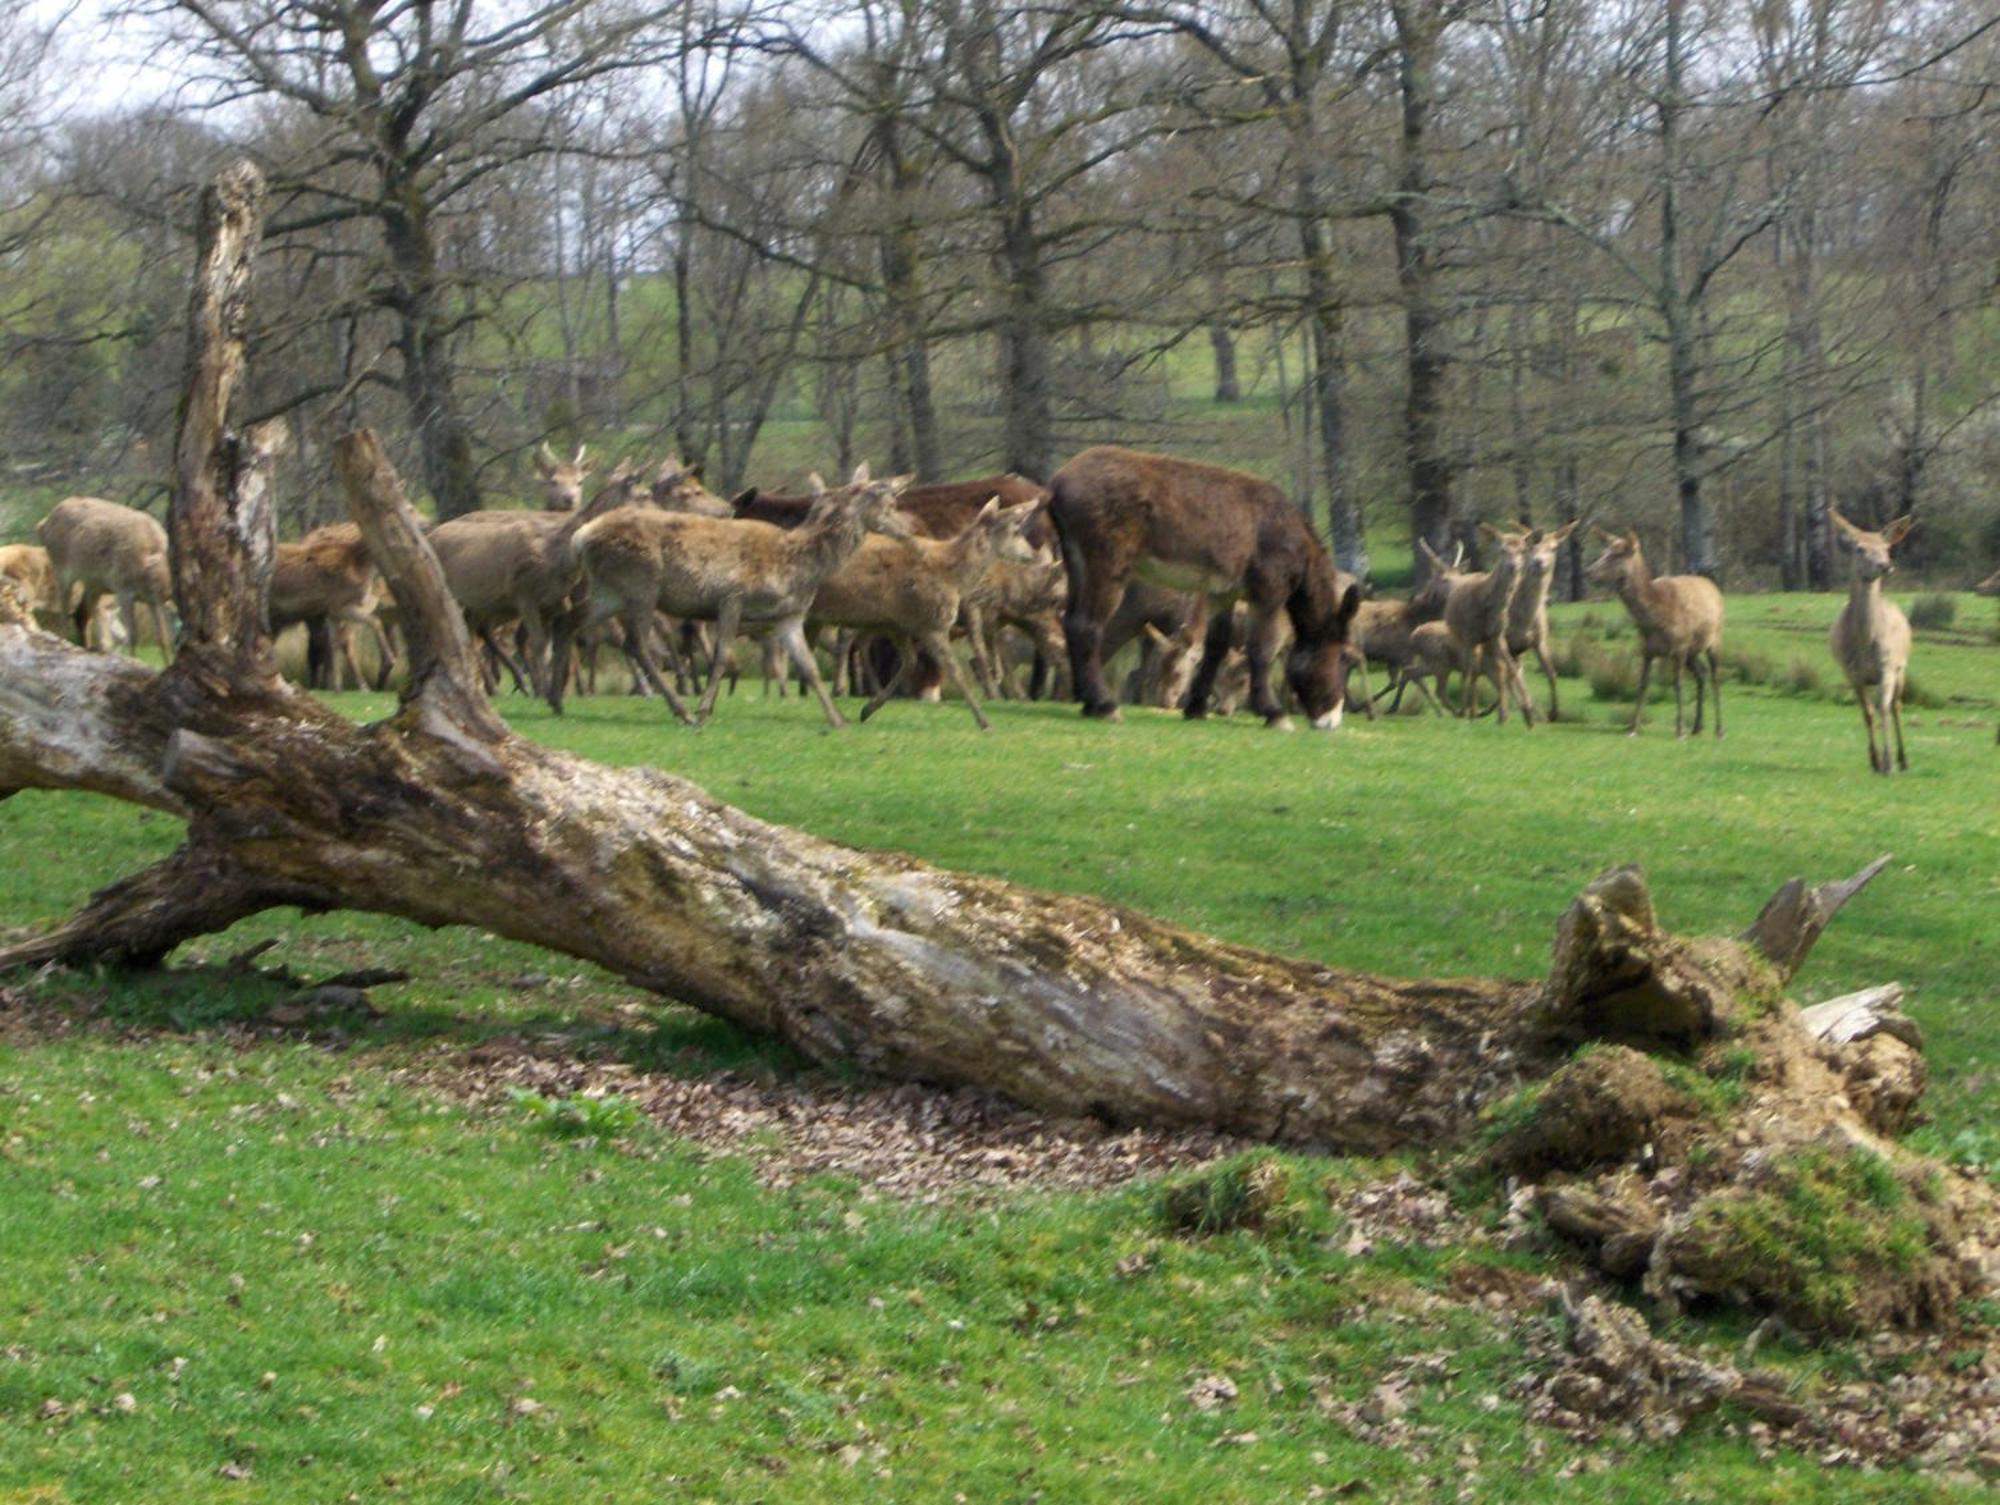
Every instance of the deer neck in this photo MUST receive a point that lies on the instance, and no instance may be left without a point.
(971, 554)
(1864, 601)
(826, 542)
(1635, 589)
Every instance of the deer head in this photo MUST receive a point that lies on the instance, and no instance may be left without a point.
(1621, 551)
(1871, 550)
(678, 487)
(1540, 561)
(1990, 586)
(1179, 656)
(563, 479)
(1004, 524)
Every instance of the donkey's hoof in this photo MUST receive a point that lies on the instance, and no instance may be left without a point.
(1106, 712)
(1280, 724)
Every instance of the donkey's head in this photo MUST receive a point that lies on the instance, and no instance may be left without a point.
(1317, 671)
(1872, 550)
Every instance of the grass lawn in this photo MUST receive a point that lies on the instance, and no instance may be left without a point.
(252, 1263)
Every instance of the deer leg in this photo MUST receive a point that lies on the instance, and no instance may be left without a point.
(792, 634)
(385, 655)
(638, 625)
(1518, 677)
(130, 617)
(1700, 691)
(1639, 705)
(1367, 700)
(1868, 722)
(1715, 690)
(727, 616)
(885, 691)
(1893, 711)
(939, 646)
(1680, 670)
(159, 610)
(1468, 687)
(1548, 673)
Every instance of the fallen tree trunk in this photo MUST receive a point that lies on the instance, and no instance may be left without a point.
(441, 815)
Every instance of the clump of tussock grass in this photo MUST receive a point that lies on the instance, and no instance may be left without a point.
(1933, 613)
(1251, 1192)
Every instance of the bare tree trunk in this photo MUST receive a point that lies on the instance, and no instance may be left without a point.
(1697, 542)
(1426, 357)
(429, 381)
(1027, 437)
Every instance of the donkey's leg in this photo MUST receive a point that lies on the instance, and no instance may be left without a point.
(1265, 630)
(1096, 586)
(1215, 645)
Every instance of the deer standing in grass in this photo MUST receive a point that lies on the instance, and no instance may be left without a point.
(1476, 613)
(730, 571)
(914, 587)
(99, 548)
(1528, 617)
(329, 576)
(1871, 636)
(1679, 618)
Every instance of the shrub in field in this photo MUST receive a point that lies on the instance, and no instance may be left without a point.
(1922, 696)
(579, 1117)
(1746, 666)
(1613, 673)
(1802, 677)
(1933, 612)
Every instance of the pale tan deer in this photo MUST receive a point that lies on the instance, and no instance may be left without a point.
(329, 576)
(914, 587)
(1384, 630)
(1424, 652)
(1679, 618)
(730, 571)
(1528, 617)
(1027, 596)
(1476, 612)
(1871, 636)
(100, 548)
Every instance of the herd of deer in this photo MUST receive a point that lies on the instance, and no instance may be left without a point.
(1214, 573)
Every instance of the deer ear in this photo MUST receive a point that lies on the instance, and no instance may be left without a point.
(990, 511)
(545, 459)
(1487, 530)
(860, 476)
(1155, 636)
(901, 484)
(1895, 532)
(1845, 528)
(1561, 535)
(817, 486)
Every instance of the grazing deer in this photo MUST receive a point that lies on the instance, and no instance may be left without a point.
(1476, 611)
(563, 479)
(28, 566)
(914, 587)
(727, 570)
(98, 548)
(1384, 630)
(1221, 534)
(503, 567)
(1871, 636)
(1679, 618)
(1528, 617)
(329, 576)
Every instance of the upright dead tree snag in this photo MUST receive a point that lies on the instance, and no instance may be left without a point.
(443, 816)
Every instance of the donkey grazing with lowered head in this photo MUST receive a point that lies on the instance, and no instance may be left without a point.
(1221, 534)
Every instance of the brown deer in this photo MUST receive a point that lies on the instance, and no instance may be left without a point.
(328, 576)
(1528, 617)
(1871, 636)
(562, 479)
(28, 566)
(99, 548)
(914, 587)
(1222, 534)
(731, 571)
(1679, 618)
(1383, 630)
(1476, 612)
(504, 567)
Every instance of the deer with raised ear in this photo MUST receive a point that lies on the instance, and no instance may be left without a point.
(1476, 612)
(1871, 636)
(1528, 617)
(562, 478)
(1679, 618)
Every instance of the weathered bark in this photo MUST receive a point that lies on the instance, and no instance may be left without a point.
(1677, 311)
(1427, 359)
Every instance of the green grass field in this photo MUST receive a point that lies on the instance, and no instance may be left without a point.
(239, 1261)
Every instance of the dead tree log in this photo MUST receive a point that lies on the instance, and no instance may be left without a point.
(443, 816)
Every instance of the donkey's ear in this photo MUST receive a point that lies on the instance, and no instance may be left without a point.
(743, 499)
(1349, 604)
(1895, 532)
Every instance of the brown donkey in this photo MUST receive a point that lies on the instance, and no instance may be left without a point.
(1871, 636)
(1679, 618)
(1219, 533)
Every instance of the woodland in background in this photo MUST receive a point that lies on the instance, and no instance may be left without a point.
(1709, 269)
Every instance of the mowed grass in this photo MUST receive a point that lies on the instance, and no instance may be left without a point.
(316, 1279)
